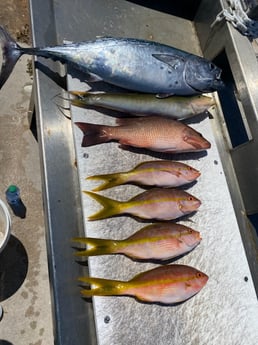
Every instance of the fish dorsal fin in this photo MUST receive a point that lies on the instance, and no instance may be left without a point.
(173, 61)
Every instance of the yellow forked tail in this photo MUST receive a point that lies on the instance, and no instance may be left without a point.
(110, 207)
(79, 94)
(110, 180)
(99, 246)
(103, 287)
(78, 103)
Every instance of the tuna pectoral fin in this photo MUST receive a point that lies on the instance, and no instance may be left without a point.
(11, 54)
(103, 287)
(92, 134)
(110, 207)
(99, 246)
(173, 61)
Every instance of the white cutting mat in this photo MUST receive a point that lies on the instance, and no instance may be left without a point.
(225, 311)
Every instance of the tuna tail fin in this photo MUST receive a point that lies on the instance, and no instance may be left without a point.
(99, 246)
(110, 207)
(11, 54)
(110, 180)
(92, 134)
(104, 287)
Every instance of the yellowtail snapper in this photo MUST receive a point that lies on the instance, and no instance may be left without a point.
(168, 284)
(160, 173)
(156, 203)
(158, 241)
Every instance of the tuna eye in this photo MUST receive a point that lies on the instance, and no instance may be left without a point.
(212, 66)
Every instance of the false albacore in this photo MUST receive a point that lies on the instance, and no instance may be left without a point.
(129, 63)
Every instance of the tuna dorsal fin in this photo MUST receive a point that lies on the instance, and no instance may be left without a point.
(173, 61)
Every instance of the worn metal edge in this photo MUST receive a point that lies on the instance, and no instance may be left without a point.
(213, 40)
(72, 319)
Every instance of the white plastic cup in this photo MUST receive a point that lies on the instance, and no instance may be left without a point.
(5, 225)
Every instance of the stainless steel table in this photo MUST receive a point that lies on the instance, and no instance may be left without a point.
(55, 21)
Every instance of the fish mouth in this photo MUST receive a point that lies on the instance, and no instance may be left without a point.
(215, 84)
(218, 82)
(198, 142)
(190, 206)
(193, 241)
(196, 174)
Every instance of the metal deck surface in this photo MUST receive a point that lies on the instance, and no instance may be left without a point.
(225, 311)
(227, 296)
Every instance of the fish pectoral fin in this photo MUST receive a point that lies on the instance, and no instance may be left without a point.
(92, 78)
(172, 172)
(164, 95)
(67, 42)
(173, 61)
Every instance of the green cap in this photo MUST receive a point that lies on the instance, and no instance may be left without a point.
(12, 188)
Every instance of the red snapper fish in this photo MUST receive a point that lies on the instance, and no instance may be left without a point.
(158, 241)
(152, 133)
(164, 284)
(160, 173)
(156, 203)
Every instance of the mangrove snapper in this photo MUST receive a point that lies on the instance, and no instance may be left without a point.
(174, 107)
(160, 173)
(156, 203)
(154, 133)
(160, 241)
(129, 63)
(164, 284)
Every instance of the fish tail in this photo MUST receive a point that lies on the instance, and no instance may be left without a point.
(11, 53)
(99, 246)
(82, 98)
(110, 180)
(93, 134)
(110, 207)
(79, 94)
(103, 287)
(81, 103)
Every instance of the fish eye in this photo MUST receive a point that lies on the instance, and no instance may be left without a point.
(190, 198)
(198, 275)
(190, 231)
(212, 66)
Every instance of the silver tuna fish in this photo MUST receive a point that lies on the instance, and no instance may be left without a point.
(129, 63)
